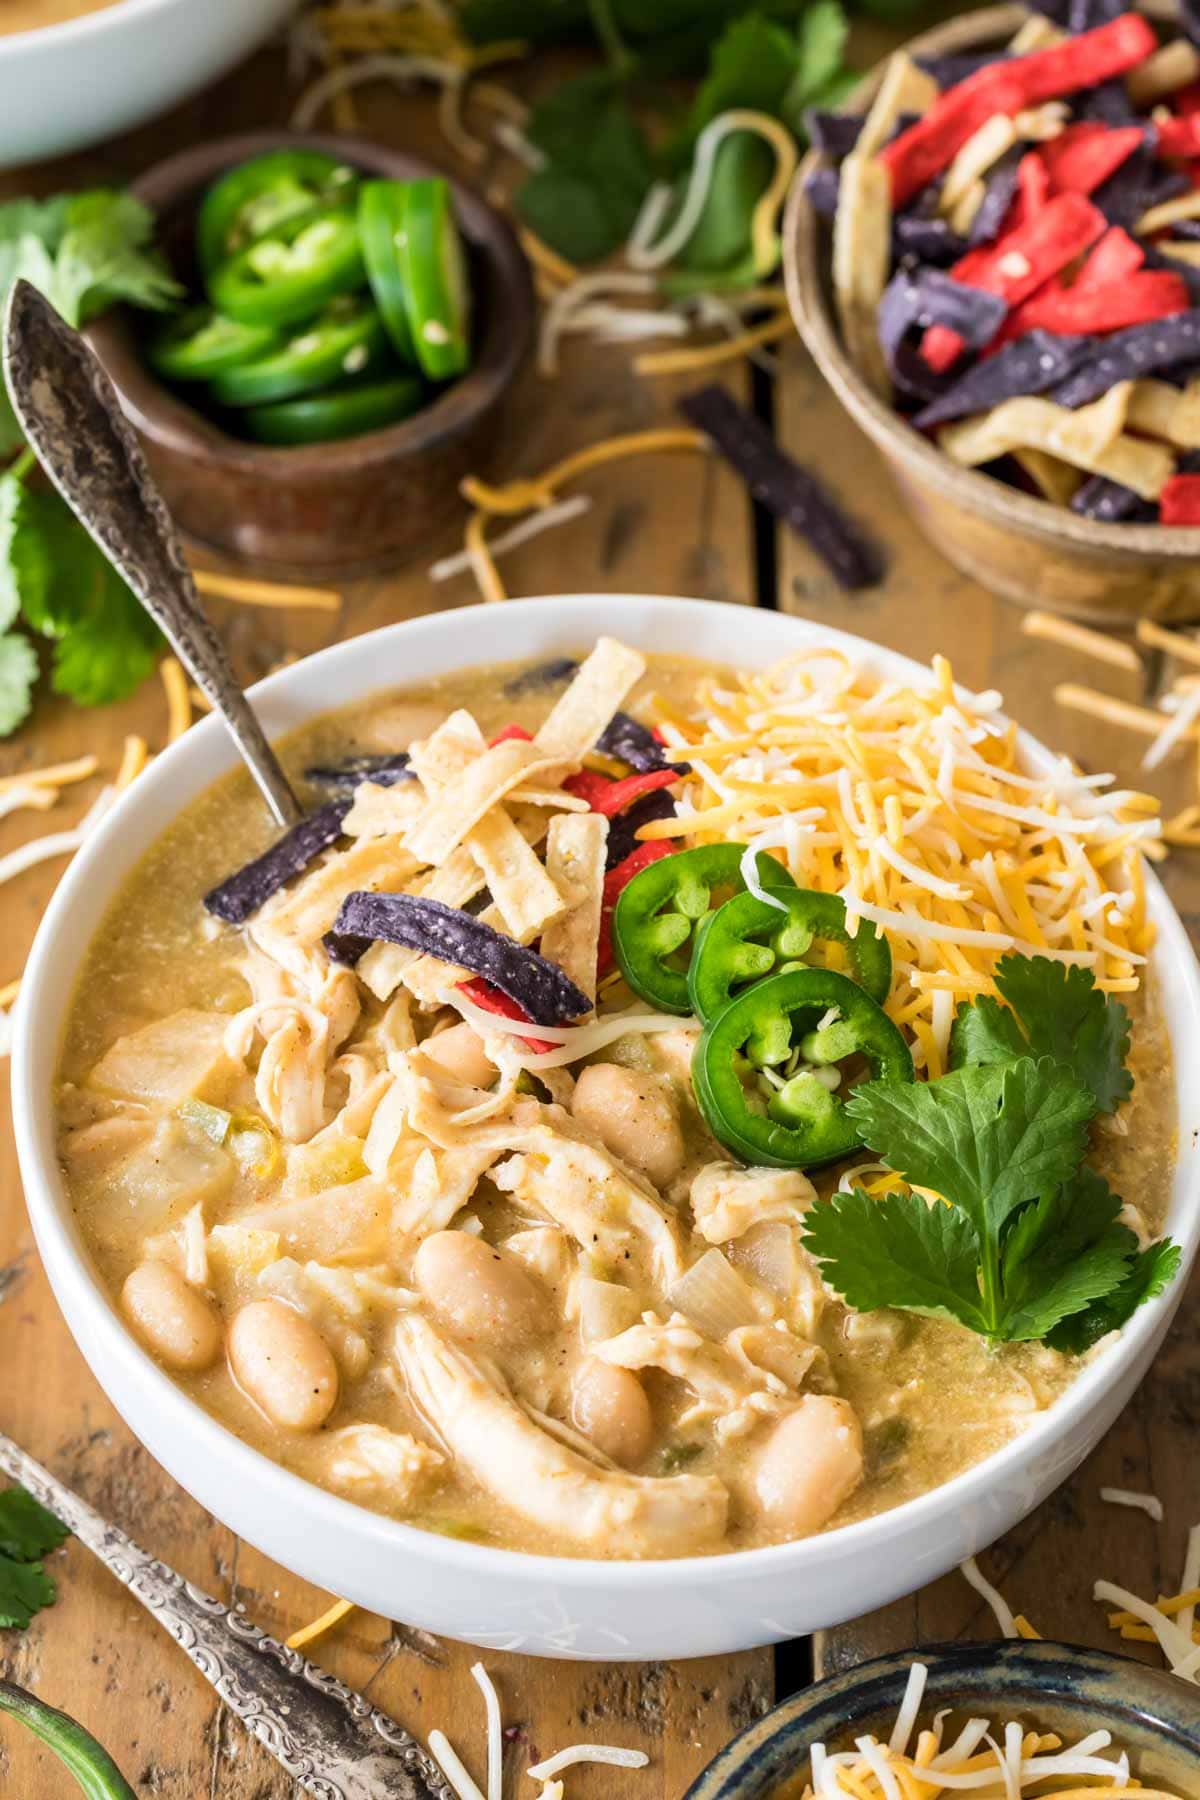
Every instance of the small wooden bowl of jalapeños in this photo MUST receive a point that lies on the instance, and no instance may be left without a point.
(310, 433)
(1025, 548)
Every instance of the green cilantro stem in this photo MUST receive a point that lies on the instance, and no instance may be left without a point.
(88, 1761)
(19, 469)
(612, 43)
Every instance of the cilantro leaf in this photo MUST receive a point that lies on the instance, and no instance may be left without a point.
(987, 1139)
(754, 64)
(45, 220)
(598, 168)
(105, 255)
(18, 673)
(898, 1251)
(1056, 1010)
(27, 1530)
(111, 650)
(1062, 1252)
(820, 46)
(1150, 1274)
(25, 1588)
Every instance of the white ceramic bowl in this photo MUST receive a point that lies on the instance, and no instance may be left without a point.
(76, 83)
(498, 1598)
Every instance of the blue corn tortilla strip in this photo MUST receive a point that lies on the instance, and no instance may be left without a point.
(1110, 503)
(783, 487)
(1107, 104)
(915, 381)
(1029, 365)
(835, 133)
(342, 778)
(917, 298)
(623, 830)
(1000, 188)
(630, 741)
(1188, 229)
(243, 892)
(821, 188)
(1125, 355)
(1089, 15)
(955, 65)
(929, 240)
(544, 991)
(1140, 182)
(554, 673)
(1189, 18)
(344, 950)
(1190, 275)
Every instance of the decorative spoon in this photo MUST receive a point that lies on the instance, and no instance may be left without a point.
(332, 1741)
(69, 411)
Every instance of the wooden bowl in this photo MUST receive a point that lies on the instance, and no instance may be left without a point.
(1023, 548)
(358, 504)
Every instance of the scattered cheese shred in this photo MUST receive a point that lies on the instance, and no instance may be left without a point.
(451, 1765)
(134, 758)
(642, 253)
(52, 774)
(561, 513)
(179, 700)
(308, 1634)
(677, 362)
(610, 1754)
(1026, 1630)
(495, 1731)
(1175, 643)
(264, 593)
(1114, 712)
(9, 991)
(1077, 637)
(997, 1602)
(1147, 1503)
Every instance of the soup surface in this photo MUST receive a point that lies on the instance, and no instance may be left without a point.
(39, 15)
(504, 1287)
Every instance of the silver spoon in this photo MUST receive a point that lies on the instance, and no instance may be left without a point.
(69, 411)
(332, 1741)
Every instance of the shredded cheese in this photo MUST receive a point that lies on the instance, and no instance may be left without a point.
(451, 1765)
(308, 1634)
(1004, 1617)
(495, 1731)
(1147, 1503)
(561, 513)
(9, 991)
(610, 1754)
(678, 362)
(264, 593)
(1078, 637)
(179, 700)
(134, 758)
(52, 774)
(642, 253)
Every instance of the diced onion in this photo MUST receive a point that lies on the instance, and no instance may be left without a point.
(605, 1309)
(714, 1296)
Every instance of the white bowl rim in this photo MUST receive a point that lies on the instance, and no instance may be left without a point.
(114, 14)
(49, 1209)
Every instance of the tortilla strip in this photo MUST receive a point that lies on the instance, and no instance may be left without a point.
(1167, 69)
(1168, 212)
(1163, 411)
(382, 967)
(377, 865)
(1181, 250)
(1054, 478)
(382, 811)
(452, 812)
(963, 216)
(862, 239)
(985, 147)
(1037, 33)
(576, 845)
(904, 89)
(1090, 438)
(594, 695)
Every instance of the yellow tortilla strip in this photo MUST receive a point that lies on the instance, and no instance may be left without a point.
(983, 148)
(1167, 69)
(582, 713)
(1182, 249)
(428, 977)
(1162, 411)
(1168, 212)
(904, 89)
(963, 216)
(1057, 480)
(1090, 438)
(374, 865)
(862, 235)
(575, 851)
(1037, 33)
(380, 811)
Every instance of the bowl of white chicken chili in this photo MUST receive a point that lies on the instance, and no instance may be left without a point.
(675, 1151)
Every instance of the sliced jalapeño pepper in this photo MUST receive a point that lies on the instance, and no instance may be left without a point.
(257, 197)
(434, 269)
(658, 912)
(380, 209)
(347, 339)
(747, 939)
(759, 1066)
(336, 412)
(291, 274)
(199, 343)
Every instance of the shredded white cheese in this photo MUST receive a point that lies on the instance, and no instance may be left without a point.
(495, 1739)
(997, 1602)
(450, 1763)
(1177, 1648)
(587, 1753)
(561, 513)
(910, 1706)
(1147, 1503)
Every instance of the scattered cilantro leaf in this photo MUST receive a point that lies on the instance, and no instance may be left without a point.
(106, 254)
(1150, 1273)
(27, 1530)
(18, 673)
(25, 1588)
(45, 220)
(598, 167)
(1062, 1252)
(112, 649)
(898, 1251)
(820, 46)
(1056, 1010)
(987, 1139)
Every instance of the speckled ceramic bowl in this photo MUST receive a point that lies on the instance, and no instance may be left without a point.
(1055, 1686)
(1022, 547)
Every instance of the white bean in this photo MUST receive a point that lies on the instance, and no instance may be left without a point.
(634, 1116)
(460, 1052)
(609, 1406)
(281, 1360)
(811, 1462)
(171, 1318)
(479, 1291)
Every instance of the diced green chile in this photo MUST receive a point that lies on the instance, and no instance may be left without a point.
(805, 1124)
(747, 939)
(658, 912)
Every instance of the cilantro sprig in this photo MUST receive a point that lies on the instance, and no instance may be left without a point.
(1014, 1235)
(27, 1533)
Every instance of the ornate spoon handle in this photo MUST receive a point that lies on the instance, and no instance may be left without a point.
(332, 1741)
(70, 413)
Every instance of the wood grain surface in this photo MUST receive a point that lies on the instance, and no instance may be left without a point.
(672, 525)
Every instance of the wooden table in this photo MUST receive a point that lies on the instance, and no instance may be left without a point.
(664, 525)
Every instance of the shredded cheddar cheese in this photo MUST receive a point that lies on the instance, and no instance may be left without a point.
(308, 1634)
(1078, 637)
(179, 700)
(264, 593)
(678, 362)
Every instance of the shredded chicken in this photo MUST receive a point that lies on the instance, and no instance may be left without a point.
(730, 1389)
(727, 1200)
(389, 1465)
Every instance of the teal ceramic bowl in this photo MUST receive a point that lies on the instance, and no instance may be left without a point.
(1055, 1687)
